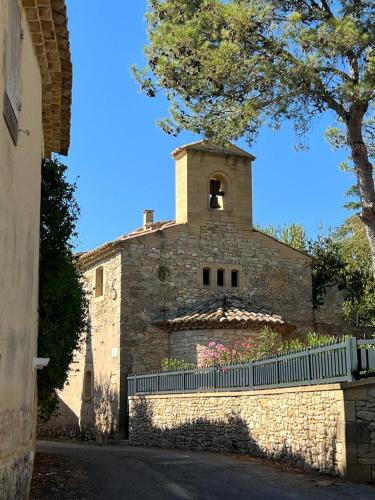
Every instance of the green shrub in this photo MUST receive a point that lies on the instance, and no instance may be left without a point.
(292, 345)
(171, 365)
(269, 343)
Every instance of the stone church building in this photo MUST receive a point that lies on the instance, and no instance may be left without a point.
(171, 286)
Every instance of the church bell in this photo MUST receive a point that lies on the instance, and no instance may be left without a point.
(215, 191)
(214, 202)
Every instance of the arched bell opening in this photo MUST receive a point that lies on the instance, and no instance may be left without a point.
(217, 193)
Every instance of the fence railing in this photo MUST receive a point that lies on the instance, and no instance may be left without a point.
(341, 362)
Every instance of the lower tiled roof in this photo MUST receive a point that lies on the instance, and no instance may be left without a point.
(223, 312)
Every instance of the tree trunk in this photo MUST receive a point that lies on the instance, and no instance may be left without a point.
(364, 172)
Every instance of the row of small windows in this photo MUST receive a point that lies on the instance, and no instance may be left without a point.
(207, 279)
(220, 277)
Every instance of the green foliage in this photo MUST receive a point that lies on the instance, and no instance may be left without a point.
(229, 66)
(171, 365)
(293, 235)
(269, 343)
(292, 345)
(314, 339)
(356, 254)
(341, 260)
(62, 302)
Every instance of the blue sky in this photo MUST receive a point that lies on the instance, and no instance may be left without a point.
(123, 159)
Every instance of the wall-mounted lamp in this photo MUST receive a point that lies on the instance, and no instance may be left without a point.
(40, 363)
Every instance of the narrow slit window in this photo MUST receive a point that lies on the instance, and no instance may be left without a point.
(99, 282)
(220, 277)
(234, 279)
(87, 386)
(206, 276)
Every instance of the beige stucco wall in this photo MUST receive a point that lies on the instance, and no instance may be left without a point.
(19, 254)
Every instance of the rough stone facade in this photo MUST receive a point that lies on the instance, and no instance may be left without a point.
(268, 269)
(94, 413)
(158, 269)
(327, 428)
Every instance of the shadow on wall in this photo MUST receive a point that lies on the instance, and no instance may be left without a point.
(64, 423)
(98, 404)
(100, 401)
(232, 436)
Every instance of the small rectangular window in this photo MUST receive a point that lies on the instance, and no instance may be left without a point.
(220, 277)
(234, 279)
(206, 276)
(12, 69)
(99, 282)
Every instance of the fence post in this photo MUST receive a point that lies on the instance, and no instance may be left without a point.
(183, 381)
(157, 382)
(136, 384)
(352, 358)
(308, 366)
(251, 375)
(277, 371)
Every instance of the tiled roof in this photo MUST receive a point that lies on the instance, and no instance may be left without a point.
(224, 312)
(156, 226)
(210, 147)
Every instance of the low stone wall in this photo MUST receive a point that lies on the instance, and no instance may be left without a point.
(309, 427)
(360, 430)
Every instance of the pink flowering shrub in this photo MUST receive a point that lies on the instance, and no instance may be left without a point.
(217, 354)
(268, 343)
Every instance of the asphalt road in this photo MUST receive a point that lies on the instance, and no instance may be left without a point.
(85, 471)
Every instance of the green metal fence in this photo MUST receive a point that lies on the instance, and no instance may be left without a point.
(341, 362)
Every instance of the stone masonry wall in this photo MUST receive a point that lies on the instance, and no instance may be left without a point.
(271, 275)
(98, 414)
(300, 426)
(360, 430)
(328, 428)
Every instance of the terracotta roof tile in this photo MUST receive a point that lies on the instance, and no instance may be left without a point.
(223, 312)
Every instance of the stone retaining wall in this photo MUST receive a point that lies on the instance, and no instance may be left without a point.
(327, 428)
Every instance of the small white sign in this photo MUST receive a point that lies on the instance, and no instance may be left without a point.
(115, 352)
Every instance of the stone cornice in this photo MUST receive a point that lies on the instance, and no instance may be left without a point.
(47, 20)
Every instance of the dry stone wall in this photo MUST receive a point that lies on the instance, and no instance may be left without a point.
(298, 426)
(328, 428)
